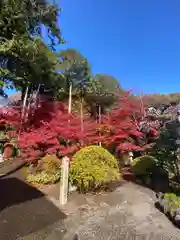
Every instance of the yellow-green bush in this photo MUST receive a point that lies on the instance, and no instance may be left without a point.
(173, 200)
(43, 177)
(92, 167)
(143, 165)
(47, 171)
(49, 163)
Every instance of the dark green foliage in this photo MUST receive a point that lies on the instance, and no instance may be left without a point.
(143, 165)
(165, 151)
(24, 58)
(102, 92)
(146, 169)
(24, 18)
(76, 71)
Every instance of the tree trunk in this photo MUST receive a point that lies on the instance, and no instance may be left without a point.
(99, 120)
(82, 114)
(93, 111)
(70, 99)
(23, 92)
(177, 170)
(36, 96)
(30, 98)
(99, 114)
(25, 102)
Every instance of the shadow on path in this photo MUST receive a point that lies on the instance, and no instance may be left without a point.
(24, 209)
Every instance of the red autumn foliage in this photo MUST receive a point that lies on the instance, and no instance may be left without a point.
(150, 129)
(121, 127)
(49, 129)
(10, 116)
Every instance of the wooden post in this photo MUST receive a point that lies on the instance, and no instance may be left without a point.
(99, 120)
(64, 181)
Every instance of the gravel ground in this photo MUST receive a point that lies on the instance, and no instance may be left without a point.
(128, 213)
(125, 214)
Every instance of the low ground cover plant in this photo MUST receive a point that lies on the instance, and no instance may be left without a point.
(46, 171)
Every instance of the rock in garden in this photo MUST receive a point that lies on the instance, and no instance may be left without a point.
(177, 220)
(160, 195)
(177, 211)
(162, 203)
(165, 205)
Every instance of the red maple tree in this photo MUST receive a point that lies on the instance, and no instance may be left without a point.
(121, 126)
(49, 129)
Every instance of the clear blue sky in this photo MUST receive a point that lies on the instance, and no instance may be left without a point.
(136, 41)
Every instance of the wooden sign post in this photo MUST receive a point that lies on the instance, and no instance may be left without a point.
(64, 181)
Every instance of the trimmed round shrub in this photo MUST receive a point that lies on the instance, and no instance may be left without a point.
(47, 171)
(92, 167)
(143, 165)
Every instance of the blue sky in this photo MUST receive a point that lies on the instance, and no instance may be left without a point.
(136, 41)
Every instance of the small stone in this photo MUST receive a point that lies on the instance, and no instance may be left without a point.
(76, 237)
(177, 220)
(72, 188)
(177, 211)
(177, 217)
(160, 195)
(165, 204)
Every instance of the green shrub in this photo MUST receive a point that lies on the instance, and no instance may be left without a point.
(143, 165)
(174, 202)
(44, 177)
(93, 167)
(47, 171)
(49, 164)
